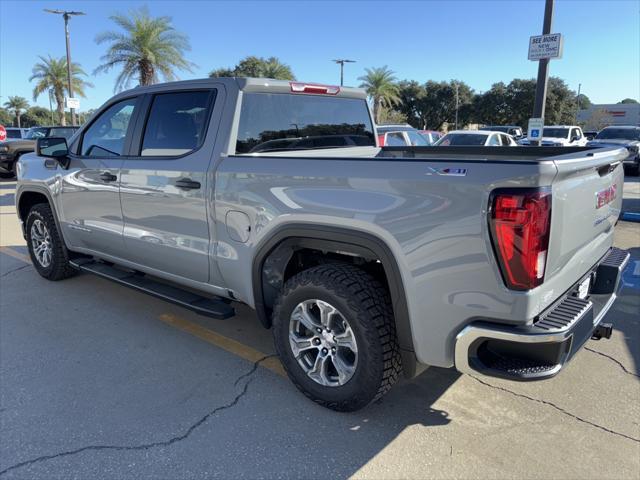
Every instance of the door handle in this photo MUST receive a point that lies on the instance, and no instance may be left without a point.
(108, 177)
(187, 184)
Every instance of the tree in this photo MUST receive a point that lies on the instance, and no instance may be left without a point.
(36, 116)
(17, 104)
(253, 66)
(583, 102)
(411, 95)
(5, 116)
(51, 74)
(389, 115)
(380, 85)
(222, 72)
(598, 120)
(149, 48)
(628, 100)
(492, 106)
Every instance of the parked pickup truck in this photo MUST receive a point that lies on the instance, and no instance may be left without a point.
(366, 262)
(13, 148)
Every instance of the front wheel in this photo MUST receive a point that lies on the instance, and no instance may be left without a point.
(46, 248)
(334, 331)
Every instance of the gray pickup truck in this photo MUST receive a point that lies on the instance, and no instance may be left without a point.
(366, 262)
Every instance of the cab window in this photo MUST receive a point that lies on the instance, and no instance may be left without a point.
(177, 123)
(106, 135)
(494, 141)
(395, 139)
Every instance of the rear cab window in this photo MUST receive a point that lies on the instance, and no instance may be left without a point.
(177, 123)
(276, 122)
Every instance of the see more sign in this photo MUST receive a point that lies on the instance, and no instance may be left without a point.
(545, 46)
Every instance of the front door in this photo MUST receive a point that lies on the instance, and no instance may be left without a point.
(164, 186)
(91, 216)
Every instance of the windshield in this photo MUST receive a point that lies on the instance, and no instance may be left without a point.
(556, 132)
(619, 134)
(271, 122)
(462, 139)
(417, 140)
(39, 132)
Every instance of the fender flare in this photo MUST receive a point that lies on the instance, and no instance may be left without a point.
(47, 195)
(340, 239)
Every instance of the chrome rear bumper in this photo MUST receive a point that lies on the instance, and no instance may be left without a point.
(540, 350)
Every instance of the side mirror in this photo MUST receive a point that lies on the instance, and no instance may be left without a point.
(54, 147)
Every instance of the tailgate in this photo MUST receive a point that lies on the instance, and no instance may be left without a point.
(587, 199)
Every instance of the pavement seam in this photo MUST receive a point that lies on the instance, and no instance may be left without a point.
(13, 270)
(147, 446)
(624, 369)
(556, 407)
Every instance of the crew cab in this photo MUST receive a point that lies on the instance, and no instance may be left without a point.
(560, 136)
(366, 262)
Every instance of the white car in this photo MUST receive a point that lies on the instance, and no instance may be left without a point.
(478, 138)
(561, 136)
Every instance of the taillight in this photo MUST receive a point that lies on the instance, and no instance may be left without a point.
(297, 87)
(520, 223)
(381, 140)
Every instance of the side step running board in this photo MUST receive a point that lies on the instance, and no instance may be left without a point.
(211, 307)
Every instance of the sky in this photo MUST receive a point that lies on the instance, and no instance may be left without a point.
(478, 42)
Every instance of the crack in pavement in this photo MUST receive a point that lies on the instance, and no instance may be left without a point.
(13, 270)
(147, 446)
(624, 369)
(556, 407)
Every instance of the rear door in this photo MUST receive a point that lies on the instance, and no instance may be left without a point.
(165, 185)
(90, 211)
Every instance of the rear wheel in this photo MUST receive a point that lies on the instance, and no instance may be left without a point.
(333, 328)
(48, 253)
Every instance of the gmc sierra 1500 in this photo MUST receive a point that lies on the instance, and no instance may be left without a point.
(366, 262)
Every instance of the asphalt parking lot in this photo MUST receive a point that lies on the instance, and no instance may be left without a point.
(99, 380)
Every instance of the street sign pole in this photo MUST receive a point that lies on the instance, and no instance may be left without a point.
(543, 68)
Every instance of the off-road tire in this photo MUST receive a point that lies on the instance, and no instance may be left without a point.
(59, 268)
(366, 305)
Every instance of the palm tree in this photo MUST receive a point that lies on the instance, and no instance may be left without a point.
(381, 87)
(274, 68)
(148, 47)
(51, 74)
(17, 104)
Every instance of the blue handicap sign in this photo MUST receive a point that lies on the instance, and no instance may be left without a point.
(535, 133)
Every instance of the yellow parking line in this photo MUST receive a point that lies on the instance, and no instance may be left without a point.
(228, 344)
(232, 346)
(15, 254)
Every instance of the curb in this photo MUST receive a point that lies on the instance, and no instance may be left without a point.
(630, 217)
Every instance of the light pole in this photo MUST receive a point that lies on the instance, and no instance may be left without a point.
(66, 14)
(457, 104)
(543, 68)
(577, 103)
(342, 61)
